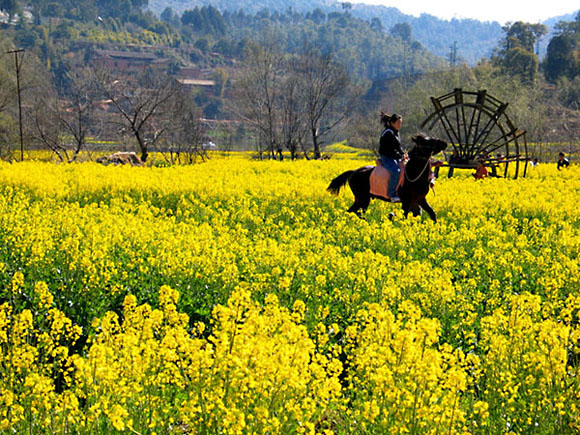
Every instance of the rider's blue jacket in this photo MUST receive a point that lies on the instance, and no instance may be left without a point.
(390, 144)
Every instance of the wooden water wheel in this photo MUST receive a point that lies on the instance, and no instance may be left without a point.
(478, 127)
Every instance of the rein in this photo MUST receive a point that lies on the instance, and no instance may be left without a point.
(420, 173)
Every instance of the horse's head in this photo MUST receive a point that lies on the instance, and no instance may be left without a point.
(426, 146)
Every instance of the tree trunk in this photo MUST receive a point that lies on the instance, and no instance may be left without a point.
(315, 144)
(142, 147)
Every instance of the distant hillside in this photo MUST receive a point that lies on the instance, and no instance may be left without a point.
(474, 39)
(551, 22)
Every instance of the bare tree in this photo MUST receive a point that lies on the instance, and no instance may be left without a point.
(183, 141)
(44, 126)
(326, 95)
(78, 116)
(292, 109)
(62, 123)
(286, 99)
(141, 101)
(258, 94)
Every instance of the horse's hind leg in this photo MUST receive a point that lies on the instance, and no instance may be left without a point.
(425, 206)
(365, 201)
(360, 203)
(355, 207)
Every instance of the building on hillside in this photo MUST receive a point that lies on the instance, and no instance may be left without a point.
(194, 78)
(127, 61)
(5, 17)
(196, 83)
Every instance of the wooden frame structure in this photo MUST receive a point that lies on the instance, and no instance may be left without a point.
(477, 126)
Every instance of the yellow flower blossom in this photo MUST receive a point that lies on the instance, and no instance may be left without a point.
(237, 296)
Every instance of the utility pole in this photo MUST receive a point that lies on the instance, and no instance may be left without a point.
(453, 54)
(18, 64)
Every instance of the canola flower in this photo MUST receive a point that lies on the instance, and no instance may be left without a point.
(237, 296)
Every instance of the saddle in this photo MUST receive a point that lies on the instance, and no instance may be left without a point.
(379, 180)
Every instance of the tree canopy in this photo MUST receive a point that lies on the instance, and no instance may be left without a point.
(516, 55)
(563, 56)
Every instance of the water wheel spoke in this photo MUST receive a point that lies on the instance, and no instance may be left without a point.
(477, 125)
(473, 124)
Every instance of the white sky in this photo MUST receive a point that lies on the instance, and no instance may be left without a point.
(531, 11)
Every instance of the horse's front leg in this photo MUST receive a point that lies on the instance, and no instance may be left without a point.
(406, 208)
(412, 207)
(425, 206)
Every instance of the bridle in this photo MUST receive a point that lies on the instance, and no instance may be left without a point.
(420, 173)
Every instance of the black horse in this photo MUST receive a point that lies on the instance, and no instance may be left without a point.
(415, 184)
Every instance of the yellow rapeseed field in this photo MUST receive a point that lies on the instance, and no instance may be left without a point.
(238, 296)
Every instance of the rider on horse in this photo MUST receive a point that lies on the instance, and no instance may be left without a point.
(390, 151)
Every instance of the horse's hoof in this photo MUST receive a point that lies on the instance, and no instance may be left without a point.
(391, 216)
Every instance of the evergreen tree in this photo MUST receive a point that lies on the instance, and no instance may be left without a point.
(563, 55)
(192, 18)
(403, 31)
(516, 52)
(170, 17)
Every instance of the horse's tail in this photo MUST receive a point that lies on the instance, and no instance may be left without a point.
(338, 182)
